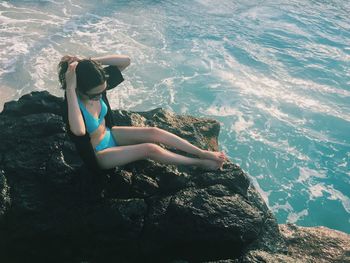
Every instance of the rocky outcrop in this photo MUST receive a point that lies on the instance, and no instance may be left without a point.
(52, 209)
(307, 244)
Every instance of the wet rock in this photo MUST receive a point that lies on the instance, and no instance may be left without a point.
(53, 210)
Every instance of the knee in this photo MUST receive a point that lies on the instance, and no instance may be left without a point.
(155, 132)
(152, 149)
(100, 161)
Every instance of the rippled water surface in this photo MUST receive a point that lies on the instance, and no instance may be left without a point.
(274, 73)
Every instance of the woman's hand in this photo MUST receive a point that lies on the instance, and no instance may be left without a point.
(70, 59)
(121, 61)
(71, 77)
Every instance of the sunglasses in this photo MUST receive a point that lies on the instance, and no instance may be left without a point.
(96, 96)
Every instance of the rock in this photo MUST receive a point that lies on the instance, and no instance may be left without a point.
(321, 243)
(51, 208)
(306, 244)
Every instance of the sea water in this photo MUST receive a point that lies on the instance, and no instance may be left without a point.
(275, 74)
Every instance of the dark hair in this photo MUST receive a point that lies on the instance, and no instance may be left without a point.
(90, 74)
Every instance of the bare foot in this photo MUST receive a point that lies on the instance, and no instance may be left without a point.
(211, 165)
(216, 156)
(221, 163)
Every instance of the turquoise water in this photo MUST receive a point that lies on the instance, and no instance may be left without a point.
(274, 73)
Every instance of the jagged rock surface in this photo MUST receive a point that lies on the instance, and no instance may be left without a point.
(52, 209)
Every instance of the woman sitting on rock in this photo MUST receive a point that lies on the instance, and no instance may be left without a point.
(88, 115)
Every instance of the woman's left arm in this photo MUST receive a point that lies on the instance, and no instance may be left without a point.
(121, 61)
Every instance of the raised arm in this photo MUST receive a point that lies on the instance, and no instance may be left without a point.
(121, 61)
(75, 119)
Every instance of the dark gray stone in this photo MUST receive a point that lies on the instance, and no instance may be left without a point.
(52, 210)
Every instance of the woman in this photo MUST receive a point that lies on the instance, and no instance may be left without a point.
(86, 82)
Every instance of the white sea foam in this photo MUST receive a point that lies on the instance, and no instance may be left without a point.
(280, 145)
(261, 13)
(306, 173)
(218, 8)
(264, 194)
(223, 110)
(337, 195)
(293, 217)
(285, 207)
(317, 190)
(262, 87)
(6, 94)
(242, 124)
(278, 114)
(42, 67)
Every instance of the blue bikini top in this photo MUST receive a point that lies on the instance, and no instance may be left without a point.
(91, 122)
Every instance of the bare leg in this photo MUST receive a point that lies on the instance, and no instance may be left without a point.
(164, 156)
(126, 135)
(120, 155)
(173, 140)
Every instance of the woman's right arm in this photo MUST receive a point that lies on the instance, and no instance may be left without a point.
(75, 119)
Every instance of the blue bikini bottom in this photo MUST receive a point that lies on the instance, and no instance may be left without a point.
(107, 141)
